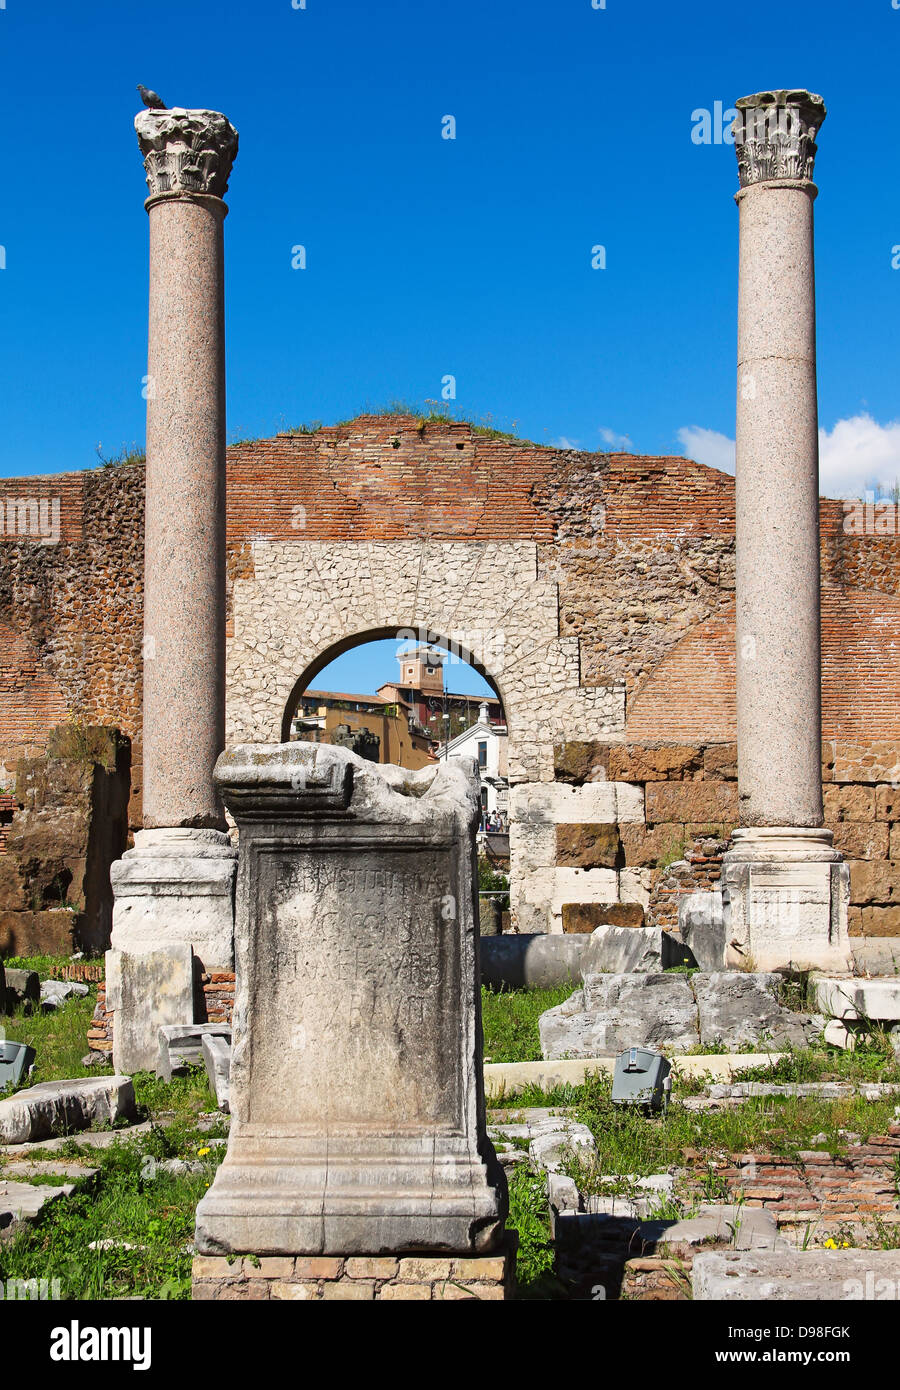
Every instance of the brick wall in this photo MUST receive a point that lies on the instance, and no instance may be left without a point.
(688, 796)
(624, 625)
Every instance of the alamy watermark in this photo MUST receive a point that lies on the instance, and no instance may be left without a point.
(30, 518)
(728, 126)
(871, 516)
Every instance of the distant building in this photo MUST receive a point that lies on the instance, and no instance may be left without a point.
(441, 713)
(330, 716)
(486, 742)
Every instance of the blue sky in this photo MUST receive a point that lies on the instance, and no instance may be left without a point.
(429, 257)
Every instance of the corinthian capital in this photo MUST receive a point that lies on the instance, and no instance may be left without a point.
(775, 135)
(186, 151)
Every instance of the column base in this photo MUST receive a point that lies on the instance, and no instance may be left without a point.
(786, 894)
(357, 1278)
(301, 1194)
(176, 887)
(173, 918)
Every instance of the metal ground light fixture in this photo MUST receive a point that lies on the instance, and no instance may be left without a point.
(642, 1077)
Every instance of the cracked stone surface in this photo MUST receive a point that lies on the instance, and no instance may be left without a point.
(613, 1012)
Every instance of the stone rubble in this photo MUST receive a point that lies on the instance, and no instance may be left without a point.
(614, 1012)
(61, 1106)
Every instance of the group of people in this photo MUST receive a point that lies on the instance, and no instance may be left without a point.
(495, 823)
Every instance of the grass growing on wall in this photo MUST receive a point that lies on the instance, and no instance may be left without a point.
(510, 1021)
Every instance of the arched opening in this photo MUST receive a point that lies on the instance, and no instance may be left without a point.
(413, 697)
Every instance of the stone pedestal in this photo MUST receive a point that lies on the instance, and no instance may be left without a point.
(173, 918)
(785, 899)
(782, 881)
(356, 1080)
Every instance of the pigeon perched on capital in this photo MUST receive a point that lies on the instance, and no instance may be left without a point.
(152, 100)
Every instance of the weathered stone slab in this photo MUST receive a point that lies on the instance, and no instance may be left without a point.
(796, 1275)
(146, 992)
(631, 950)
(217, 1058)
(358, 1120)
(736, 1008)
(56, 992)
(181, 1046)
(849, 998)
(59, 1106)
(22, 985)
(613, 1012)
(23, 1201)
(745, 1228)
(701, 924)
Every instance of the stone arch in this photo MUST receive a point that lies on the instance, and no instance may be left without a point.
(300, 603)
(307, 600)
(346, 644)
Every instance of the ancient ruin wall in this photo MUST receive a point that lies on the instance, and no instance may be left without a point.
(596, 591)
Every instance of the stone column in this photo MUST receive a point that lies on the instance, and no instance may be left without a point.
(784, 883)
(174, 891)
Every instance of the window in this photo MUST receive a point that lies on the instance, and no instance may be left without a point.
(482, 755)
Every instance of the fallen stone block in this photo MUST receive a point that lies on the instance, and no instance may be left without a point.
(56, 1107)
(796, 1275)
(632, 950)
(626, 1194)
(181, 1046)
(22, 986)
(613, 1012)
(23, 1201)
(850, 999)
(56, 992)
(552, 1141)
(217, 1058)
(736, 1008)
(743, 1227)
(701, 926)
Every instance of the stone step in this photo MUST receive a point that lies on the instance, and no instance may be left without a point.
(95, 1139)
(46, 1168)
(23, 1201)
(796, 1275)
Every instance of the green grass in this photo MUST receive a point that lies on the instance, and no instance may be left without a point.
(58, 1038)
(529, 1216)
(510, 1021)
(629, 1141)
(130, 1201)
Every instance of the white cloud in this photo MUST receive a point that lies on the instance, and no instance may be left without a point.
(564, 443)
(615, 441)
(708, 447)
(857, 455)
